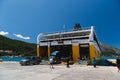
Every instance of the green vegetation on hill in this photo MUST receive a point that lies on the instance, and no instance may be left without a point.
(17, 47)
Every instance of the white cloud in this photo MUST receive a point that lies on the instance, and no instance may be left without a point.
(21, 36)
(3, 33)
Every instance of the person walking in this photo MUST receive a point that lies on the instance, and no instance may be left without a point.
(118, 63)
(94, 62)
(67, 60)
(51, 63)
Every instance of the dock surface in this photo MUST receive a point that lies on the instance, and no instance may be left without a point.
(13, 71)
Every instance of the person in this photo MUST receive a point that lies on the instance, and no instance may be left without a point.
(118, 63)
(67, 60)
(51, 63)
(94, 62)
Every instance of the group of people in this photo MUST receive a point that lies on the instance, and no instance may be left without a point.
(94, 63)
(52, 62)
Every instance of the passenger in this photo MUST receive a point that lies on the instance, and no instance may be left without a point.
(51, 63)
(67, 60)
(94, 62)
(118, 63)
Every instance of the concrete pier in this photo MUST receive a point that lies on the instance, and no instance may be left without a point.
(13, 71)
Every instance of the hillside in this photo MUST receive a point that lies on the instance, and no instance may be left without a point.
(109, 50)
(15, 47)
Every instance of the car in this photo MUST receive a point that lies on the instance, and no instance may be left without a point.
(31, 61)
(1, 60)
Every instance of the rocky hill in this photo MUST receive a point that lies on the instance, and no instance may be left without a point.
(109, 50)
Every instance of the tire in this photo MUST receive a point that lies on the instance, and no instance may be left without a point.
(27, 63)
(21, 64)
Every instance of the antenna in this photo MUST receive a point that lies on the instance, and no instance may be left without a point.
(64, 26)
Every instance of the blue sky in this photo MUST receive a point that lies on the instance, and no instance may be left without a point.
(25, 19)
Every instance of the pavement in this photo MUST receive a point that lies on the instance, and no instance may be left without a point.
(13, 71)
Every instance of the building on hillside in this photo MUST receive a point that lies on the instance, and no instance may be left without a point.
(78, 43)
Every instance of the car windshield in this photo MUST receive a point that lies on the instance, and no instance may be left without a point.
(52, 57)
(27, 58)
(54, 53)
